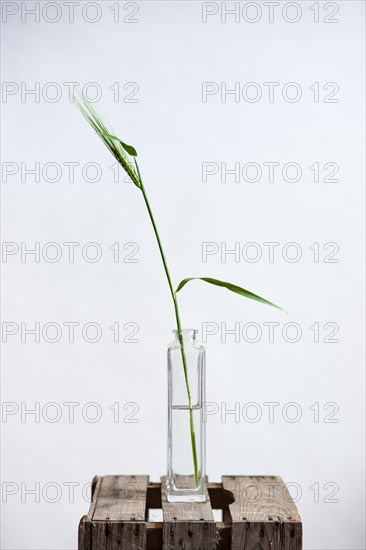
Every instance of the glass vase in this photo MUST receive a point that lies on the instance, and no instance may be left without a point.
(186, 476)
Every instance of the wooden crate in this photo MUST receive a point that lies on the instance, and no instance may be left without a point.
(258, 513)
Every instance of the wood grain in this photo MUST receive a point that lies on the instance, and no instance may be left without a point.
(263, 514)
(187, 525)
(122, 498)
(258, 514)
(116, 518)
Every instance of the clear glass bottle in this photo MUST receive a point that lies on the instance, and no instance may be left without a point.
(186, 477)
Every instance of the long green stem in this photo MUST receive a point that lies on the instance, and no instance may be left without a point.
(191, 422)
(179, 327)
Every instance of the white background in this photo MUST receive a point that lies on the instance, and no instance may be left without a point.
(169, 52)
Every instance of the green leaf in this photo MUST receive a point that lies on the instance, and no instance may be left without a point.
(229, 286)
(128, 148)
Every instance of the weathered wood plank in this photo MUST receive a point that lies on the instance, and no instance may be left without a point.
(122, 498)
(187, 525)
(258, 514)
(96, 485)
(82, 533)
(263, 514)
(182, 511)
(85, 526)
(117, 535)
(116, 518)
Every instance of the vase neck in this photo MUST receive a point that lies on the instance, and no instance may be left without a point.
(187, 334)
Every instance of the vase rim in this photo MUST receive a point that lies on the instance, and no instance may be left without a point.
(185, 332)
